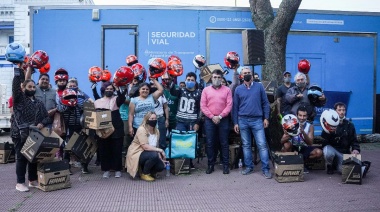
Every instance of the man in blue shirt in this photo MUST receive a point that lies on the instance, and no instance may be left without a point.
(250, 115)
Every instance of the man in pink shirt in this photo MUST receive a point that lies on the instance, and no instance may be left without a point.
(216, 104)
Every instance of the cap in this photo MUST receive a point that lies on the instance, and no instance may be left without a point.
(286, 72)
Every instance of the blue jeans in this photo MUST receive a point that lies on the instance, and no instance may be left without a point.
(185, 126)
(333, 157)
(256, 127)
(217, 133)
(162, 130)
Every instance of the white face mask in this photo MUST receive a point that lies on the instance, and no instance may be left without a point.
(216, 82)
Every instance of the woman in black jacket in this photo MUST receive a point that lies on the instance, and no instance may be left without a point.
(27, 111)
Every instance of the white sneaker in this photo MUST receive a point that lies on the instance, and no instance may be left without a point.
(118, 174)
(21, 187)
(33, 184)
(106, 174)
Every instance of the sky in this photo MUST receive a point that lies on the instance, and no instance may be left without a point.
(339, 5)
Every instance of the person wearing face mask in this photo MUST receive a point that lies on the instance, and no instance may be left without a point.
(71, 116)
(296, 96)
(216, 104)
(111, 148)
(303, 142)
(283, 107)
(27, 111)
(171, 92)
(144, 153)
(343, 141)
(250, 114)
(46, 94)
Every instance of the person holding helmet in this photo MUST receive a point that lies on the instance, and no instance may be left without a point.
(300, 137)
(339, 136)
(46, 94)
(61, 77)
(27, 111)
(296, 96)
(139, 77)
(171, 92)
(283, 107)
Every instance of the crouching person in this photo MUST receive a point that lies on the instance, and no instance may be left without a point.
(299, 135)
(143, 151)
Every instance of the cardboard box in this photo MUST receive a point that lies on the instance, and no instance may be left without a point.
(180, 166)
(7, 152)
(97, 119)
(53, 175)
(352, 169)
(315, 164)
(82, 146)
(41, 145)
(288, 167)
(234, 156)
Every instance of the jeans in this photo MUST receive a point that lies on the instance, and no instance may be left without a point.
(185, 126)
(162, 130)
(111, 153)
(333, 157)
(22, 163)
(150, 162)
(254, 125)
(217, 133)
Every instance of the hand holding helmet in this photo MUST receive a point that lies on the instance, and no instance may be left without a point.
(38, 59)
(175, 68)
(95, 74)
(139, 72)
(123, 76)
(15, 53)
(314, 94)
(290, 124)
(304, 66)
(157, 67)
(199, 61)
(232, 60)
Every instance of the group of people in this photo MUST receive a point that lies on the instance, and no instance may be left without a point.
(144, 113)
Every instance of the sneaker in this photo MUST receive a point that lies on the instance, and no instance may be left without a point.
(267, 175)
(33, 184)
(147, 177)
(247, 171)
(118, 174)
(85, 170)
(305, 170)
(330, 169)
(21, 187)
(106, 174)
(77, 164)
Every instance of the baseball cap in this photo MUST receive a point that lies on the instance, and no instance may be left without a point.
(286, 72)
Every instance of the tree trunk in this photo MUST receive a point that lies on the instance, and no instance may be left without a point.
(276, 30)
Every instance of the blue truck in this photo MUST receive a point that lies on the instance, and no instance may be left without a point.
(341, 46)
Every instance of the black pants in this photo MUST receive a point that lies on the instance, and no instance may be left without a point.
(151, 162)
(22, 163)
(110, 150)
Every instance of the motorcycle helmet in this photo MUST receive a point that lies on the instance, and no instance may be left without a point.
(123, 76)
(45, 69)
(313, 93)
(175, 68)
(106, 75)
(157, 67)
(15, 53)
(291, 124)
(95, 74)
(38, 59)
(131, 59)
(61, 74)
(139, 72)
(232, 60)
(69, 97)
(304, 66)
(329, 120)
(199, 61)
(173, 57)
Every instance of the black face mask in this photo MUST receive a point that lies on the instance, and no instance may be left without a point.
(152, 123)
(108, 93)
(247, 77)
(61, 87)
(29, 93)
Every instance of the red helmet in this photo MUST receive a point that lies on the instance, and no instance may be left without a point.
(38, 59)
(139, 72)
(45, 69)
(173, 57)
(69, 97)
(232, 60)
(123, 76)
(95, 74)
(106, 75)
(131, 59)
(61, 74)
(157, 67)
(175, 68)
(304, 66)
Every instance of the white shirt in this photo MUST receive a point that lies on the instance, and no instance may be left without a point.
(152, 139)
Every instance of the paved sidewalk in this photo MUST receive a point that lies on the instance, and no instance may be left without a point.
(199, 192)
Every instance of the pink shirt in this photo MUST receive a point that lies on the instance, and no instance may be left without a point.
(215, 102)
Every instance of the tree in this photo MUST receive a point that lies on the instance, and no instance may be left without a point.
(276, 30)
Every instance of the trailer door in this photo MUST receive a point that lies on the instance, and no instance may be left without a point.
(118, 41)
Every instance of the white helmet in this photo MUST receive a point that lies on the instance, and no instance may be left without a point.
(329, 120)
(291, 124)
(199, 61)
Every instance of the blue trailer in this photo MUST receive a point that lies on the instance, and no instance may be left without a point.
(341, 46)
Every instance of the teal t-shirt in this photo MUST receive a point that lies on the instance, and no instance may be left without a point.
(124, 110)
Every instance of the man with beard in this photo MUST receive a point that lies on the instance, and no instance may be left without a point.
(171, 92)
(46, 94)
(283, 107)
